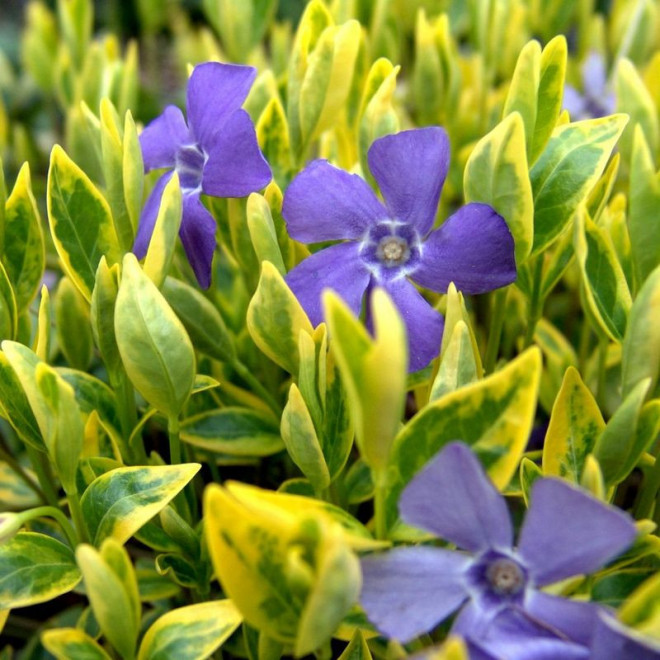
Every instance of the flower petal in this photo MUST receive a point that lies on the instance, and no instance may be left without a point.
(594, 75)
(573, 619)
(408, 591)
(410, 168)
(453, 498)
(235, 166)
(612, 641)
(574, 102)
(149, 216)
(511, 634)
(161, 138)
(215, 91)
(337, 267)
(198, 237)
(424, 324)
(473, 249)
(568, 532)
(324, 203)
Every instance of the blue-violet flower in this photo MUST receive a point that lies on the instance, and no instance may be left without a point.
(408, 591)
(596, 99)
(215, 153)
(387, 243)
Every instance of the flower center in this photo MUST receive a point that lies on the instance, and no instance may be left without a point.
(393, 251)
(189, 166)
(505, 577)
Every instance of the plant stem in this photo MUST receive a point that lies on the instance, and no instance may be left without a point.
(379, 505)
(175, 440)
(77, 515)
(54, 512)
(602, 369)
(42, 469)
(498, 300)
(254, 383)
(535, 306)
(20, 473)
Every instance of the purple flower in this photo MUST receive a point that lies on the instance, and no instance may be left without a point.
(596, 100)
(387, 243)
(409, 590)
(215, 153)
(613, 640)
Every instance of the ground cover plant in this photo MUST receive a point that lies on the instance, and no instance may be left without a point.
(330, 329)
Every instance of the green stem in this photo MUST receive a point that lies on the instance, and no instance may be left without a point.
(44, 474)
(175, 440)
(535, 306)
(257, 387)
(649, 492)
(602, 369)
(495, 331)
(213, 467)
(380, 493)
(55, 513)
(21, 473)
(128, 418)
(77, 515)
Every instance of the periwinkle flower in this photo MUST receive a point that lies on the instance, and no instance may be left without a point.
(215, 153)
(391, 242)
(596, 99)
(408, 591)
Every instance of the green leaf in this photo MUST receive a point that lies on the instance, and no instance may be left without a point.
(16, 406)
(615, 448)
(190, 633)
(35, 568)
(154, 346)
(102, 314)
(15, 494)
(494, 416)
(62, 429)
(262, 232)
(234, 431)
(166, 230)
(643, 224)
(201, 319)
(373, 372)
(567, 170)
(357, 648)
(8, 309)
(119, 502)
(23, 249)
(273, 136)
(641, 610)
(634, 99)
(80, 222)
(337, 434)
(275, 319)
(301, 440)
(457, 365)
(575, 424)
(132, 171)
(605, 286)
(68, 643)
(641, 344)
(111, 587)
(497, 174)
(72, 325)
(42, 338)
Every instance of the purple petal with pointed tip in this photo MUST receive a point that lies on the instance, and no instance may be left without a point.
(594, 75)
(511, 634)
(453, 498)
(324, 203)
(215, 91)
(410, 168)
(198, 237)
(161, 138)
(473, 248)
(337, 267)
(235, 166)
(574, 619)
(408, 591)
(424, 325)
(149, 216)
(568, 532)
(614, 641)
(574, 102)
